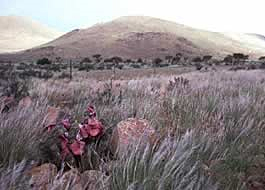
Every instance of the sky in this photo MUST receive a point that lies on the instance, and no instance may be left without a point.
(214, 15)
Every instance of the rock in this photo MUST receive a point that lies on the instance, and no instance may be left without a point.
(256, 173)
(256, 183)
(42, 176)
(25, 102)
(257, 167)
(69, 180)
(132, 130)
(94, 180)
(7, 102)
(53, 116)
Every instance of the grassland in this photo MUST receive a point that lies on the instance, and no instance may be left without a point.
(211, 129)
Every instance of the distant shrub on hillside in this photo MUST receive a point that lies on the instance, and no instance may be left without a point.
(197, 59)
(120, 66)
(207, 58)
(135, 65)
(228, 59)
(262, 58)
(262, 66)
(86, 60)
(237, 68)
(46, 75)
(29, 73)
(100, 66)
(198, 66)
(139, 60)
(86, 67)
(44, 61)
(128, 61)
(116, 59)
(156, 62)
(64, 75)
(97, 58)
(22, 66)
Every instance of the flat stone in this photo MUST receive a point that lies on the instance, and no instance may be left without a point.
(256, 183)
(42, 176)
(6, 103)
(25, 102)
(94, 180)
(53, 115)
(132, 130)
(69, 180)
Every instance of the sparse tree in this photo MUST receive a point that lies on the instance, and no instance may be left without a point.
(228, 59)
(86, 60)
(140, 60)
(128, 61)
(97, 57)
(197, 59)
(262, 58)
(207, 58)
(239, 58)
(116, 59)
(156, 63)
(169, 58)
(58, 60)
(198, 66)
(71, 70)
(178, 54)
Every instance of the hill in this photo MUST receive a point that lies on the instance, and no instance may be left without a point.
(142, 37)
(20, 33)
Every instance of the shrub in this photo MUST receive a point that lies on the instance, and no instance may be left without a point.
(252, 67)
(128, 61)
(22, 66)
(64, 75)
(44, 61)
(29, 73)
(156, 62)
(46, 75)
(82, 67)
(228, 59)
(164, 65)
(100, 66)
(136, 66)
(207, 58)
(97, 58)
(262, 66)
(237, 68)
(86, 60)
(116, 59)
(16, 87)
(139, 60)
(120, 66)
(197, 59)
(198, 66)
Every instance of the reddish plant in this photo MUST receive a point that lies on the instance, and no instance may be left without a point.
(90, 129)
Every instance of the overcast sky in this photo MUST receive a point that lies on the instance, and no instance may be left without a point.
(214, 15)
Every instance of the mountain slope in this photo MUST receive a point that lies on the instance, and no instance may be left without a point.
(20, 33)
(145, 37)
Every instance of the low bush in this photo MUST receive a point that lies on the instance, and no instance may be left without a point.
(43, 61)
